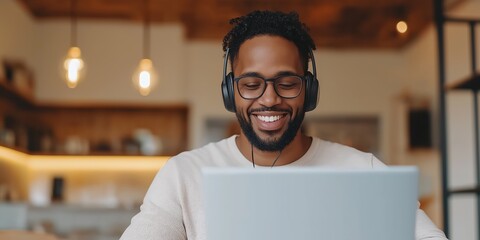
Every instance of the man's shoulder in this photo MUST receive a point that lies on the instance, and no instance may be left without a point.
(205, 154)
(344, 155)
(334, 147)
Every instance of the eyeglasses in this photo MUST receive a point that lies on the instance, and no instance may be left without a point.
(253, 87)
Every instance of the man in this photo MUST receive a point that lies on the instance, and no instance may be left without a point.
(270, 89)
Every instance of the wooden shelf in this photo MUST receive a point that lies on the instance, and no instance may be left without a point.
(18, 96)
(469, 83)
(105, 128)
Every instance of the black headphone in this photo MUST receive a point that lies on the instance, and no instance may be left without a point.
(311, 86)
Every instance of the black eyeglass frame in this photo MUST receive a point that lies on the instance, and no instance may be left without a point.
(272, 80)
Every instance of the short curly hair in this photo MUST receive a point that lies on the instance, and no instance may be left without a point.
(286, 25)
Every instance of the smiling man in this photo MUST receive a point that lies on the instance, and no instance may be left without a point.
(269, 90)
(269, 100)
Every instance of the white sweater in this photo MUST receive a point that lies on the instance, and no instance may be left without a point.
(173, 208)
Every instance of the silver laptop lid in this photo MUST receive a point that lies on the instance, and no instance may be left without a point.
(310, 203)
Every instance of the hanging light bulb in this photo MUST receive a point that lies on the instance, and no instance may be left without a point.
(73, 65)
(402, 27)
(145, 77)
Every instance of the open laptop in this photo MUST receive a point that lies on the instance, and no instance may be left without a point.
(310, 203)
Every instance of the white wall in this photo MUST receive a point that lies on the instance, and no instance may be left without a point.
(204, 74)
(16, 32)
(111, 51)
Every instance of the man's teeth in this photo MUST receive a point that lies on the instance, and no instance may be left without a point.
(269, 118)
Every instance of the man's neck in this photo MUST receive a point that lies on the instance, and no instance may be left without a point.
(291, 153)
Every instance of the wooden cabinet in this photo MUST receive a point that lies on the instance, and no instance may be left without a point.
(100, 129)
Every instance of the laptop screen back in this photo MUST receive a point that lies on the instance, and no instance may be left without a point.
(310, 203)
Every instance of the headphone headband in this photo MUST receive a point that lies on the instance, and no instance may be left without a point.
(225, 62)
(314, 66)
(227, 55)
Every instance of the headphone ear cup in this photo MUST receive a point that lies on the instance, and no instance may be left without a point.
(311, 92)
(228, 93)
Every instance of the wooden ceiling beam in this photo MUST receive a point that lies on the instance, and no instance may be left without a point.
(333, 23)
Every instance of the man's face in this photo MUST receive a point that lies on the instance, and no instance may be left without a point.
(269, 122)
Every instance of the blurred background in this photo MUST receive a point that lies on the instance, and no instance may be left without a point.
(95, 95)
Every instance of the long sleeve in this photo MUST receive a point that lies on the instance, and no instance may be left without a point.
(160, 216)
(426, 229)
(154, 223)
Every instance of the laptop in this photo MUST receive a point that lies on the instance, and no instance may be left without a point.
(310, 203)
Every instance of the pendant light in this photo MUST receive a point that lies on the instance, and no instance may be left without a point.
(73, 65)
(401, 16)
(145, 77)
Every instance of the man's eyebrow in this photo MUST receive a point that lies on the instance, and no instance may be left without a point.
(286, 73)
(256, 74)
(250, 74)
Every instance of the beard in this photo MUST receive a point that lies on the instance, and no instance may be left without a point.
(273, 145)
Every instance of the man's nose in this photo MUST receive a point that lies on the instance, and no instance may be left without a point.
(270, 97)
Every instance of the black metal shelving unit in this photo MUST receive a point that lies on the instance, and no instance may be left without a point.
(472, 84)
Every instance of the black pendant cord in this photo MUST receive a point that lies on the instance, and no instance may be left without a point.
(146, 30)
(274, 161)
(73, 23)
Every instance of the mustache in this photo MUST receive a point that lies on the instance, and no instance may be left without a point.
(269, 109)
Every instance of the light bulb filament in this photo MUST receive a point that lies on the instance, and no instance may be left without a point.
(144, 79)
